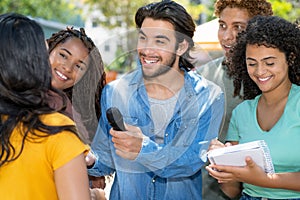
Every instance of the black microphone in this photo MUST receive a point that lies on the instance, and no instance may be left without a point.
(115, 119)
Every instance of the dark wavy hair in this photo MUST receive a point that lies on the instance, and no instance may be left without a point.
(86, 93)
(271, 32)
(25, 83)
(175, 14)
(253, 7)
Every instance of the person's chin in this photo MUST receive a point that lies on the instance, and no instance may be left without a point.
(56, 85)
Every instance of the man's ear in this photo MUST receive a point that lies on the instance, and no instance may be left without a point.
(182, 48)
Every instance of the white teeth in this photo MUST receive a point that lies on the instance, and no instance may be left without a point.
(150, 61)
(61, 75)
(264, 79)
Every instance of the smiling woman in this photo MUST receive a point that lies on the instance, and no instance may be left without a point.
(77, 69)
(69, 63)
(265, 64)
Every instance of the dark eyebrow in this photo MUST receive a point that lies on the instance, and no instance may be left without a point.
(158, 36)
(239, 23)
(66, 50)
(162, 37)
(234, 23)
(250, 59)
(141, 32)
(270, 57)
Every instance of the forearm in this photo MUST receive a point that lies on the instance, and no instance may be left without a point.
(288, 180)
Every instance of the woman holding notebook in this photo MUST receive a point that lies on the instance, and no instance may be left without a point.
(265, 65)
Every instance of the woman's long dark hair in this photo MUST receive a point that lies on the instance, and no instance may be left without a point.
(25, 82)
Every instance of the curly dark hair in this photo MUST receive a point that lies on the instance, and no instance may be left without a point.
(254, 7)
(271, 32)
(175, 14)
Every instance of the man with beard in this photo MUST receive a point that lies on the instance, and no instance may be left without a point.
(170, 113)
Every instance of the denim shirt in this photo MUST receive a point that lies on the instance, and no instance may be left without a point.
(171, 170)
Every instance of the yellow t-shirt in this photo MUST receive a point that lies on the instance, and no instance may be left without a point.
(31, 176)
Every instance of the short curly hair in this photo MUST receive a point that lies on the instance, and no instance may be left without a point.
(271, 32)
(254, 7)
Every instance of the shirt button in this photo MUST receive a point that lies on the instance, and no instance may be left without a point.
(167, 134)
(153, 180)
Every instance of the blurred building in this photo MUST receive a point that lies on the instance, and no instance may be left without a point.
(207, 43)
(50, 27)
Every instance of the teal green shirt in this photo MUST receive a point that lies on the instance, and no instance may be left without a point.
(283, 140)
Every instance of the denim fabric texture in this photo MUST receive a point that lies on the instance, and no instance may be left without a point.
(171, 170)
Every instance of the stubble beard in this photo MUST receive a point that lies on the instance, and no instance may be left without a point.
(163, 69)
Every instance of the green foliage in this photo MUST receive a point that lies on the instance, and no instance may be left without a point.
(58, 10)
(286, 10)
(117, 13)
(192, 8)
(289, 10)
(122, 62)
(121, 13)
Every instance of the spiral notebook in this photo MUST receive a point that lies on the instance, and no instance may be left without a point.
(235, 155)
